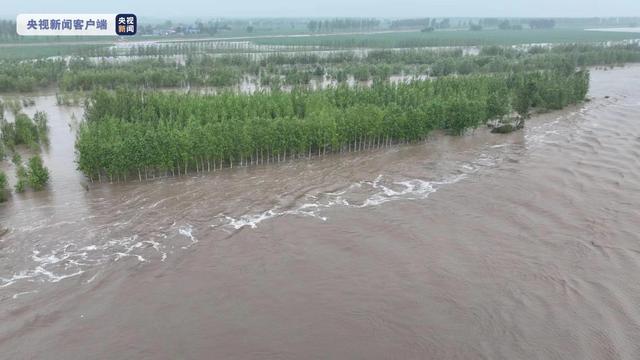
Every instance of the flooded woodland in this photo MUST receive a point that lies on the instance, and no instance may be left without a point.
(285, 198)
(437, 249)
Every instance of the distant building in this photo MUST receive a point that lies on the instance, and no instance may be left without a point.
(192, 30)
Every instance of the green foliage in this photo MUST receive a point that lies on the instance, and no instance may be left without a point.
(50, 49)
(16, 159)
(524, 95)
(497, 107)
(129, 133)
(14, 105)
(361, 73)
(21, 185)
(73, 98)
(34, 176)
(42, 124)
(344, 24)
(37, 174)
(26, 76)
(8, 134)
(3, 186)
(22, 178)
(275, 70)
(24, 131)
(450, 38)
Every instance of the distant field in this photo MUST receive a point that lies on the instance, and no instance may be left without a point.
(241, 33)
(402, 39)
(452, 38)
(46, 50)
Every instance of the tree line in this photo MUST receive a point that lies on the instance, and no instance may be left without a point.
(421, 23)
(299, 69)
(331, 25)
(135, 134)
(23, 131)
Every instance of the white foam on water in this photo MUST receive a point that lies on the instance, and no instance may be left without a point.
(399, 190)
(251, 220)
(468, 168)
(51, 258)
(54, 277)
(38, 272)
(187, 231)
(157, 203)
(68, 260)
(17, 295)
(157, 246)
(380, 191)
(90, 280)
(14, 278)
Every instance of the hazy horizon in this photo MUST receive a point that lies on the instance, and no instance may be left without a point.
(192, 9)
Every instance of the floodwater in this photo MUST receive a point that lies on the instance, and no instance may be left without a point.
(484, 246)
(620, 29)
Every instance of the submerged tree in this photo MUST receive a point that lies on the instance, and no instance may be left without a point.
(41, 121)
(37, 173)
(22, 178)
(16, 159)
(3, 186)
(146, 134)
(23, 131)
(34, 176)
(524, 96)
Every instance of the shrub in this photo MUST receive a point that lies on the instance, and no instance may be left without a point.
(38, 174)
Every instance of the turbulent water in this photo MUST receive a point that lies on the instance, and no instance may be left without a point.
(476, 247)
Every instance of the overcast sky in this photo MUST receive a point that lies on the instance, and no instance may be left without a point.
(329, 8)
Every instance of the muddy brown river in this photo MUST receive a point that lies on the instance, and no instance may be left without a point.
(519, 246)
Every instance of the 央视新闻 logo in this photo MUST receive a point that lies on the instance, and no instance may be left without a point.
(126, 24)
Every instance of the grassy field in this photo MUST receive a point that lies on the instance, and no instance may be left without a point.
(44, 50)
(82, 46)
(452, 38)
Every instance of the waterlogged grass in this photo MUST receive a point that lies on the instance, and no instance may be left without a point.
(453, 38)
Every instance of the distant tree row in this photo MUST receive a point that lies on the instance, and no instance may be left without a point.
(298, 69)
(421, 23)
(8, 31)
(542, 23)
(506, 25)
(345, 24)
